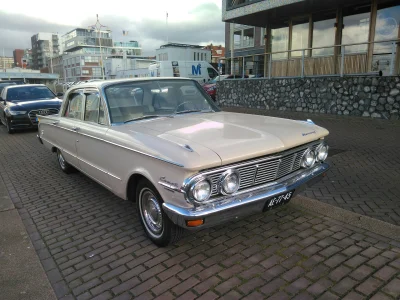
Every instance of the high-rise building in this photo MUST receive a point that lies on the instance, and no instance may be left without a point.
(85, 50)
(44, 46)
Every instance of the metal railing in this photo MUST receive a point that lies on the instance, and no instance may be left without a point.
(342, 61)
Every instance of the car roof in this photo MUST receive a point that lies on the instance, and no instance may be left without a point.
(104, 83)
(22, 85)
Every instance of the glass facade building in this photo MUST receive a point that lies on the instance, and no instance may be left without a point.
(350, 37)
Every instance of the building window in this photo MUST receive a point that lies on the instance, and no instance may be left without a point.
(244, 38)
(280, 42)
(387, 28)
(356, 29)
(194, 55)
(324, 33)
(300, 34)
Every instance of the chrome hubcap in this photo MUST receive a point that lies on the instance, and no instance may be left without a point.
(61, 160)
(151, 212)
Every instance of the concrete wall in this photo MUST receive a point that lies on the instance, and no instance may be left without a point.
(376, 97)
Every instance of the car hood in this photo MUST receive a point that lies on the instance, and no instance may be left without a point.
(35, 104)
(233, 136)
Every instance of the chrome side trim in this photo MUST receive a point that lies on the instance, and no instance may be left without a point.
(124, 147)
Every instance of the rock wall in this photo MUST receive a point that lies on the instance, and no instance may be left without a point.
(376, 97)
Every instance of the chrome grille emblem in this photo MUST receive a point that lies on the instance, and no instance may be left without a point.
(43, 112)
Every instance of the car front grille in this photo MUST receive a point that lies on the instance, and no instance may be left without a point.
(43, 112)
(264, 171)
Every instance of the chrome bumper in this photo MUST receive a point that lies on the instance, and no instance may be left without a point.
(245, 203)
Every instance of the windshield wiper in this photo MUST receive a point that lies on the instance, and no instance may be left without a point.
(192, 110)
(147, 117)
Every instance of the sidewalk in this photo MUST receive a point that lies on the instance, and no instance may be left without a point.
(21, 273)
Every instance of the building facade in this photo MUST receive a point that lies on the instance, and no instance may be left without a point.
(6, 62)
(217, 53)
(294, 38)
(85, 52)
(183, 52)
(44, 47)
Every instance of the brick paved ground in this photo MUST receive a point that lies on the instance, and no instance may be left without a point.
(92, 246)
(365, 172)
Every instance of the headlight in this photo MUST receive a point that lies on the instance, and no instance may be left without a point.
(229, 182)
(16, 112)
(308, 159)
(201, 190)
(322, 152)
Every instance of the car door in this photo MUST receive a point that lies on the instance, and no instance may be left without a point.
(65, 131)
(2, 105)
(90, 145)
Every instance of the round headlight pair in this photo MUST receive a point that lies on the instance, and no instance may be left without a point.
(201, 189)
(312, 156)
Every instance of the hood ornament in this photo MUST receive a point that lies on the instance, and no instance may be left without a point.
(187, 147)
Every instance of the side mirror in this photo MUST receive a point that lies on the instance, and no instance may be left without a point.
(60, 94)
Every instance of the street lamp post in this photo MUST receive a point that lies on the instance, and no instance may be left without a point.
(98, 26)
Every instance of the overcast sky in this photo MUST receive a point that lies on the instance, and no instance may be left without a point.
(189, 21)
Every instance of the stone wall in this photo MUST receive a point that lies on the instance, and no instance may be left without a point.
(376, 97)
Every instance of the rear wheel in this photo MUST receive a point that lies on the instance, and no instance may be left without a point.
(65, 167)
(158, 227)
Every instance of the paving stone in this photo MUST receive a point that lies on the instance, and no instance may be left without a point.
(393, 288)
(343, 286)
(93, 241)
(362, 272)
(369, 286)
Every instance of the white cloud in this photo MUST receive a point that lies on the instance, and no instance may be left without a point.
(194, 21)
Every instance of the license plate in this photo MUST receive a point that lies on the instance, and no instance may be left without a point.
(278, 200)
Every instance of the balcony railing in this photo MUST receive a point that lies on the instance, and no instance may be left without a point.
(345, 61)
(232, 4)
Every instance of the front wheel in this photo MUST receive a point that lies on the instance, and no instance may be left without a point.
(9, 128)
(65, 167)
(158, 227)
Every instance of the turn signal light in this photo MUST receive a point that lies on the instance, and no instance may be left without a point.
(194, 223)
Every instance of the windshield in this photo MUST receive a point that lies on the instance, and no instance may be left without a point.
(29, 93)
(3, 85)
(130, 101)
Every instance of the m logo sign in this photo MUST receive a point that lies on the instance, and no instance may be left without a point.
(196, 70)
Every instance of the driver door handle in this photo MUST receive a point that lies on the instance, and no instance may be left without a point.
(55, 123)
(75, 128)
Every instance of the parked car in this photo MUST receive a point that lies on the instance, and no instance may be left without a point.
(211, 86)
(4, 83)
(19, 105)
(164, 144)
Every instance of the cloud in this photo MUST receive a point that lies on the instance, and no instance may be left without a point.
(203, 26)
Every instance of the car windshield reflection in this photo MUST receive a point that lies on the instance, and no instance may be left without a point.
(140, 100)
(29, 93)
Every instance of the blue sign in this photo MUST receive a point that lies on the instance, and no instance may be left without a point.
(196, 70)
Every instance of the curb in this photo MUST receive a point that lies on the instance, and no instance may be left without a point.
(374, 225)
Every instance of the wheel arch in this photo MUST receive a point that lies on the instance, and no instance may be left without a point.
(132, 185)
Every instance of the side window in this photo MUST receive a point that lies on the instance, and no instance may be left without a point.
(74, 108)
(92, 107)
(211, 73)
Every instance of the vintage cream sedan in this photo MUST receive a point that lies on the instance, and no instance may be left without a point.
(163, 143)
